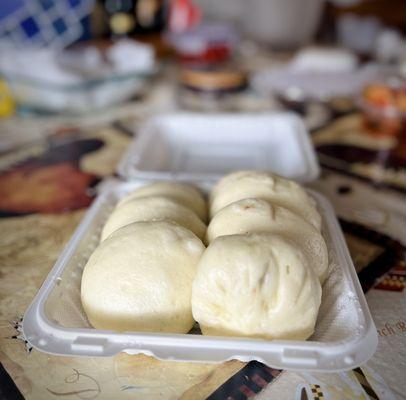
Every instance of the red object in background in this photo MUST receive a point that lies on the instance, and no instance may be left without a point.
(216, 53)
(196, 42)
(183, 15)
(384, 108)
(382, 96)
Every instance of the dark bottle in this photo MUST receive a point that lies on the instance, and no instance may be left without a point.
(126, 17)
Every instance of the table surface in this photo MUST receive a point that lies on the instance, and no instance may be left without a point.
(48, 177)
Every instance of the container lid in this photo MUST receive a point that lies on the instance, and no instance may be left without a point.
(188, 146)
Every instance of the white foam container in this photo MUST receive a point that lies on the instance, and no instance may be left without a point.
(345, 335)
(188, 146)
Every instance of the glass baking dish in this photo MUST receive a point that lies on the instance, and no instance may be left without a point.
(89, 95)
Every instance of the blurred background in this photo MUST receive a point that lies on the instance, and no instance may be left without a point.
(76, 56)
(68, 64)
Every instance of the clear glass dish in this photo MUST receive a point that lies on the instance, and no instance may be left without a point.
(89, 95)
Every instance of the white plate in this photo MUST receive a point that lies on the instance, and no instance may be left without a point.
(345, 334)
(206, 146)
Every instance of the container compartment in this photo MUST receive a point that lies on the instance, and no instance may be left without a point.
(193, 146)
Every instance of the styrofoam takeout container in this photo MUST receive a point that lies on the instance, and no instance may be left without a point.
(345, 335)
(192, 146)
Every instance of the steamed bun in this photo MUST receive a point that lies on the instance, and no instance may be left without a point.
(267, 186)
(140, 279)
(182, 193)
(257, 285)
(256, 216)
(153, 208)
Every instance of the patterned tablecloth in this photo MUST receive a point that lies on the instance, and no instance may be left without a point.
(46, 184)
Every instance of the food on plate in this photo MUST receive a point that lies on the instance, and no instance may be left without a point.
(258, 216)
(153, 208)
(255, 285)
(140, 279)
(183, 193)
(267, 186)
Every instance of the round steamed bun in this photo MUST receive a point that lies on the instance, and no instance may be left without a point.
(153, 209)
(256, 285)
(183, 193)
(140, 279)
(267, 186)
(256, 216)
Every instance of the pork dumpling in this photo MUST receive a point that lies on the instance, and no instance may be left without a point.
(256, 216)
(140, 279)
(183, 193)
(256, 285)
(153, 208)
(267, 186)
